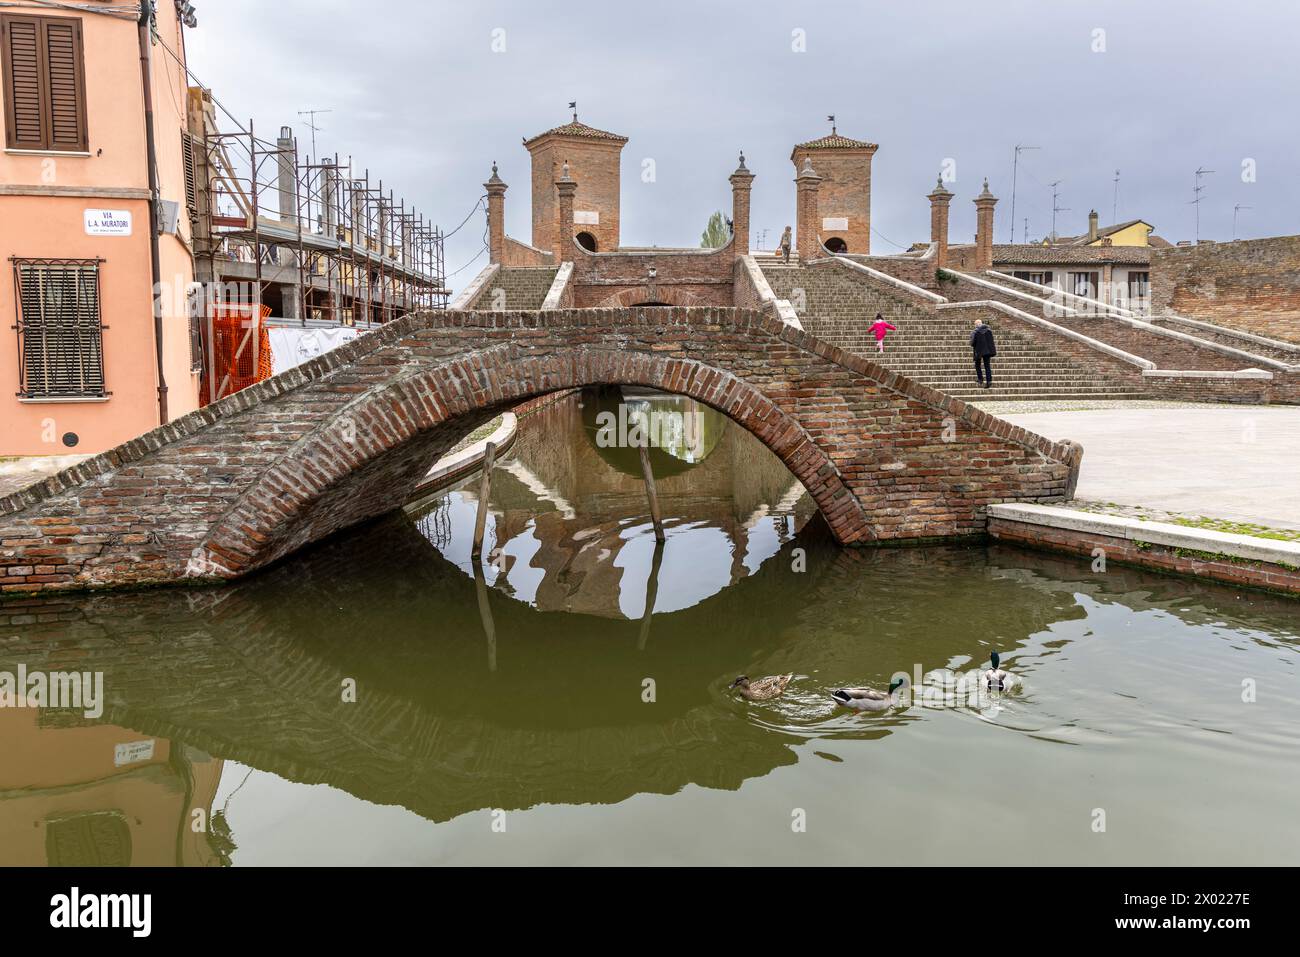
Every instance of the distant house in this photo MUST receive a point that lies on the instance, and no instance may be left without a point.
(1110, 263)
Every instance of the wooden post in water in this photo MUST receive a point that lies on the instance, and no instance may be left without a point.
(484, 491)
(485, 615)
(651, 494)
(651, 594)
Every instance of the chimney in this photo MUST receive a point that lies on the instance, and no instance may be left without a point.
(286, 157)
(741, 181)
(984, 204)
(496, 213)
(566, 188)
(939, 201)
(1092, 226)
(806, 222)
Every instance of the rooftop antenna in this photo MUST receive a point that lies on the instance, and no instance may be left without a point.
(1055, 208)
(1026, 236)
(573, 105)
(831, 120)
(311, 125)
(1015, 167)
(1196, 192)
(1114, 208)
(1235, 210)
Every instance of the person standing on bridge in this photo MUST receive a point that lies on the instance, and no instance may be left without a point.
(984, 348)
(784, 244)
(881, 328)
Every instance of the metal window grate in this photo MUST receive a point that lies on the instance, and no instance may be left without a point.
(60, 333)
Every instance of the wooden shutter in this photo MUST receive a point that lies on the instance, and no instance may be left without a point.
(67, 98)
(45, 84)
(25, 126)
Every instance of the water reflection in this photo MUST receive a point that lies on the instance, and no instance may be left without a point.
(522, 687)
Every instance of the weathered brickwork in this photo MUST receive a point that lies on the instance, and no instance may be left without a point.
(844, 192)
(594, 165)
(1200, 389)
(682, 278)
(1158, 557)
(346, 437)
(1251, 284)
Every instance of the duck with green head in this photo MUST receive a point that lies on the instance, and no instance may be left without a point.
(869, 699)
(996, 678)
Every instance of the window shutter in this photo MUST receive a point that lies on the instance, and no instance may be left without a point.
(67, 100)
(24, 117)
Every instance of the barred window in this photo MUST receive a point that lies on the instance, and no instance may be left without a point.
(60, 335)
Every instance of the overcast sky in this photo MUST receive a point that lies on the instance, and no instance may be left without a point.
(1154, 88)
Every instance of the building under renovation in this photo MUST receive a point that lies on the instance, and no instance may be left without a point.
(296, 241)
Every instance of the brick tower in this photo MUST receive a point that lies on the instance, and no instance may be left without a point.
(844, 199)
(593, 157)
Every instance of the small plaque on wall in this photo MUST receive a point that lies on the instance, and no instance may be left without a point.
(588, 217)
(833, 223)
(108, 222)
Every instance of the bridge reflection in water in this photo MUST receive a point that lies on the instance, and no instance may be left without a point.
(524, 687)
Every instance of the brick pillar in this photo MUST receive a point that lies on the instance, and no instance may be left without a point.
(984, 204)
(939, 201)
(807, 225)
(566, 188)
(496, 192)
(741, 181)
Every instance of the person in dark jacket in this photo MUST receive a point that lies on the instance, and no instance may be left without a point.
(982, 345)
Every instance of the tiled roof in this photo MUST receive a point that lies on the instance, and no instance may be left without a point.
(1067, 255)
(1103, 232)
(836, 142)
(580, 130)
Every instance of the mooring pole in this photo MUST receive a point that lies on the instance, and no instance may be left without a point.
(651, 594)
(484, 491)
(651, 494)
(485, 615)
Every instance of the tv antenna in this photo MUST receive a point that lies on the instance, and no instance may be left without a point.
(1114, 207)
(1196, 192)
(1015, 166)
(1056, 193)
(311, 125)
(1235, 210)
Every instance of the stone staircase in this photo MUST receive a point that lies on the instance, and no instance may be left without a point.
(935, 351)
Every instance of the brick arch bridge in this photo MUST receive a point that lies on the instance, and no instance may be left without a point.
(348, 435)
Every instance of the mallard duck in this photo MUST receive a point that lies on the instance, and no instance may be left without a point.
(868, 699)
(761, 689)
(995, 679)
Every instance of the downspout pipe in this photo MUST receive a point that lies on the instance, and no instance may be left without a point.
(155, 199)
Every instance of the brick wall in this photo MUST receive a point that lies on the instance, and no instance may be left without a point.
(918, 272)
(1251, 284)
(520, 254)
(683, 278)
(347, 436)
(1201, 389)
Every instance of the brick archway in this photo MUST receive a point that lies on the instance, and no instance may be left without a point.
(331, 478)
(347, 436)
(640, 295)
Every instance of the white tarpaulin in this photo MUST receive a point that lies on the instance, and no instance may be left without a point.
(294, 345)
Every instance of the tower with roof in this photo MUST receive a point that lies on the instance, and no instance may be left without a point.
(593, 156)
(844, 196)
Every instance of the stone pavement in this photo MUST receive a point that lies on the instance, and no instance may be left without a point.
(1234, 462)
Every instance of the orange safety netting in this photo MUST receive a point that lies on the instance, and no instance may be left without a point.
(240, 354)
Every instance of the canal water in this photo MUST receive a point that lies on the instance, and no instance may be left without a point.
(384, 699)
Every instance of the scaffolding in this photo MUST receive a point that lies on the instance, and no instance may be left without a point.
(299, 239)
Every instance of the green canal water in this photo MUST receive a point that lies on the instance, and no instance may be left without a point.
(532, 711)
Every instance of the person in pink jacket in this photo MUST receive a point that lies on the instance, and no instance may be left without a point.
(881, 328)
